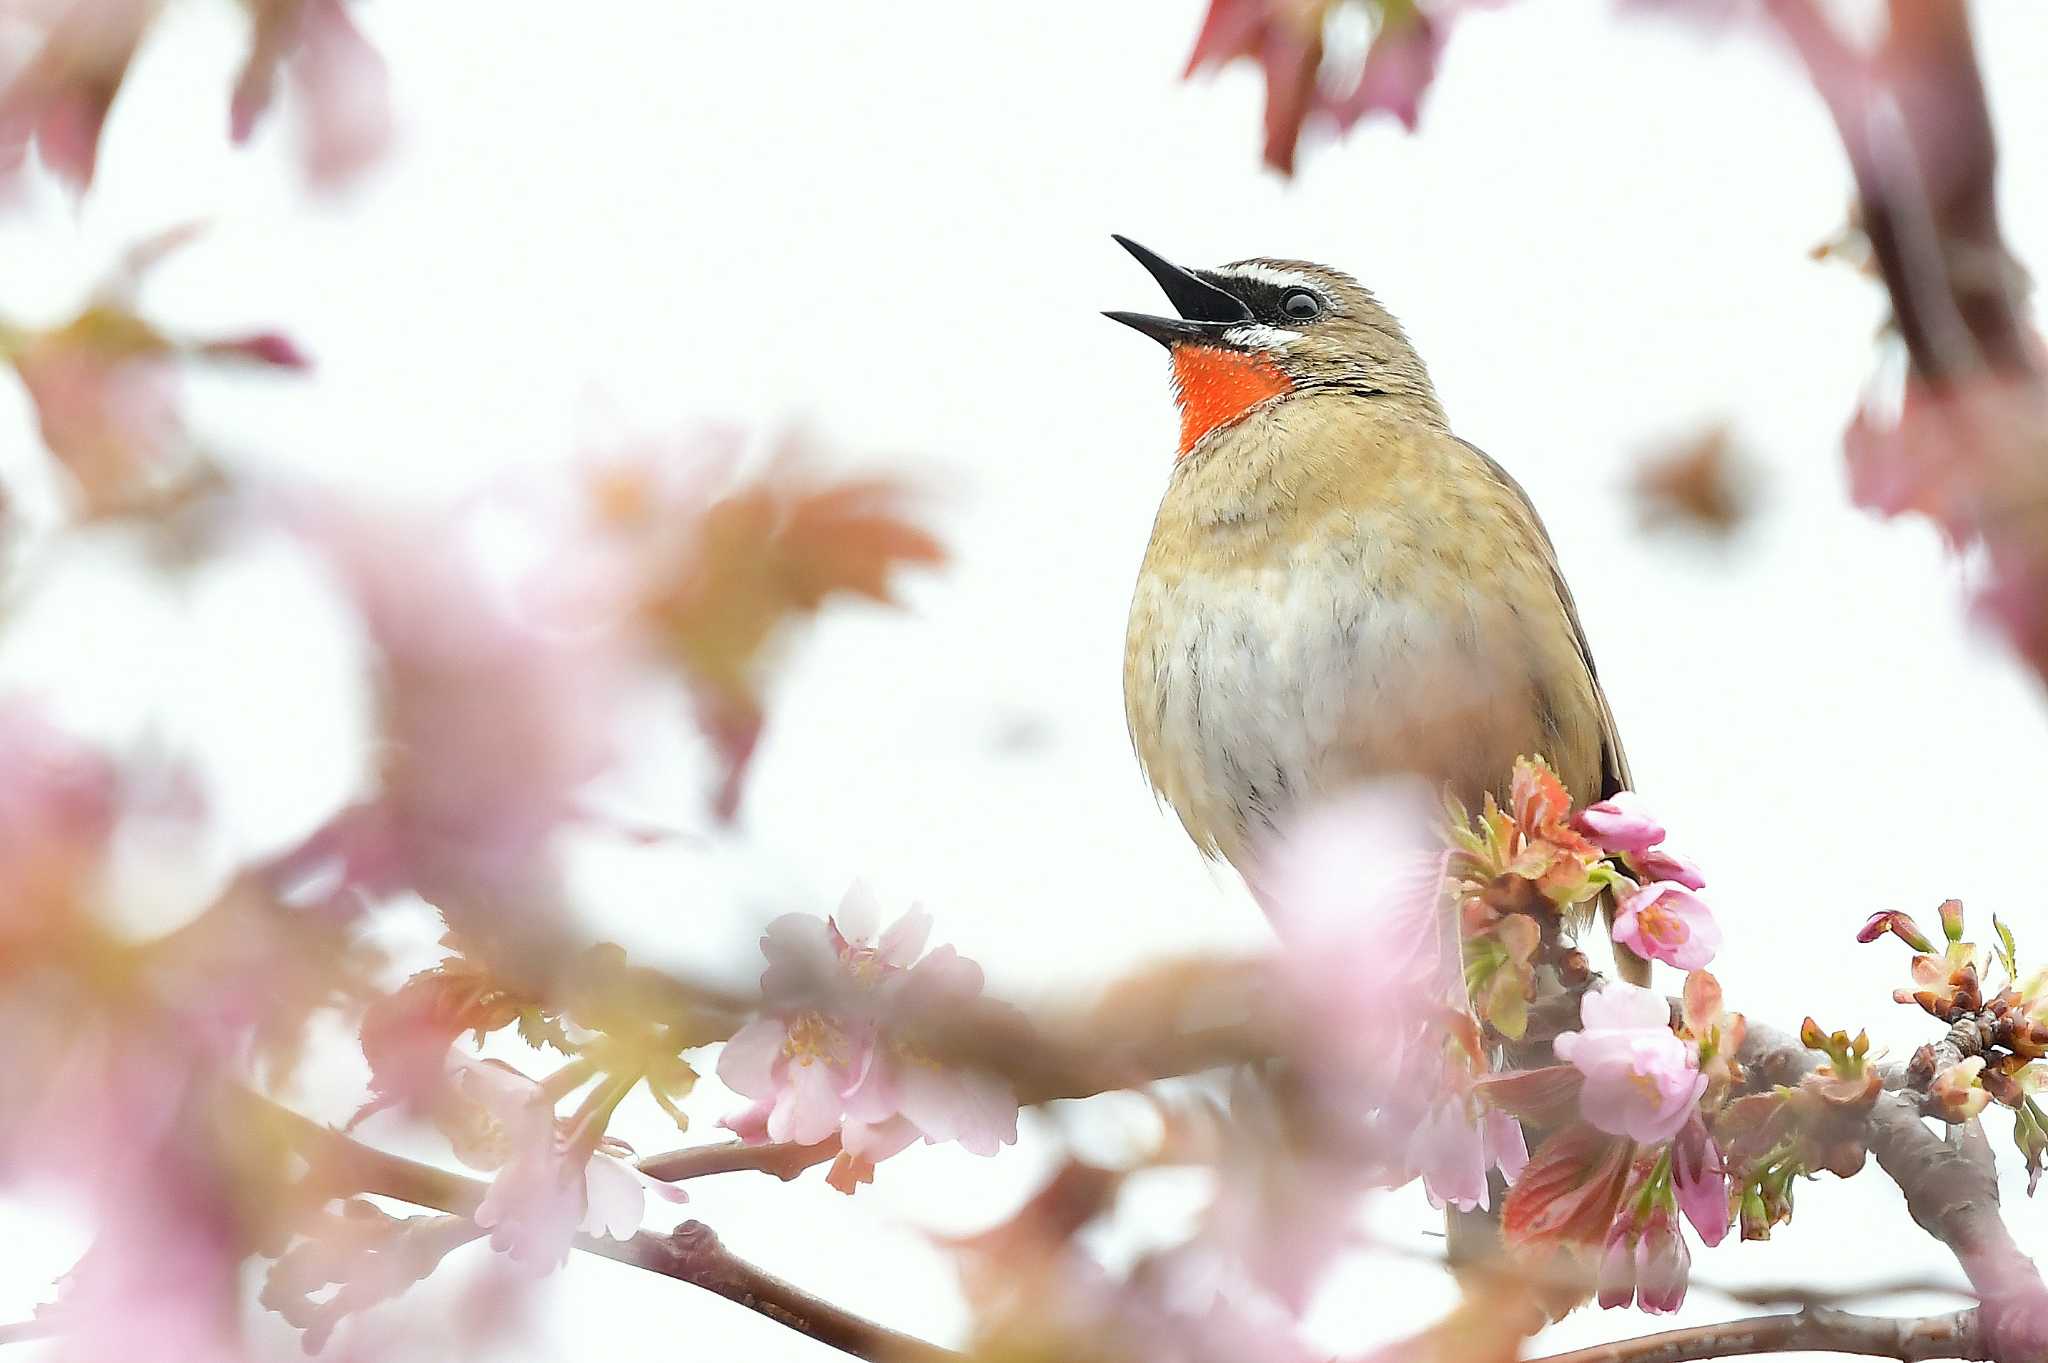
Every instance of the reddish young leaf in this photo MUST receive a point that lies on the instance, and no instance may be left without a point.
(1285, 37)
(1569, 1191)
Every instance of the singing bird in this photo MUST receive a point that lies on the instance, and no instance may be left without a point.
(1337, 586)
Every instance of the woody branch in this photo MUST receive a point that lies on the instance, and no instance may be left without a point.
(1949, 1186)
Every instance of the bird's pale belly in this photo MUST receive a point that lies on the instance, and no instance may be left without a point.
(1253, 689)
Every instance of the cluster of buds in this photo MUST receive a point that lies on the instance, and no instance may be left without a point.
(1635, 1152)
(1995, 1047)
(1526, 875)
(1792, 1132)
(1520, 875)
(1629, 1154)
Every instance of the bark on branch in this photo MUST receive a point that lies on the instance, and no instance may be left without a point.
(1956, 1334)
(341, 1166)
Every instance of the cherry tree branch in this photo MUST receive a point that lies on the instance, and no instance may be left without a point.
(1950, 1187)
(692, 1253)
(1913, 119)
(784, 1159)
(1955, 1334)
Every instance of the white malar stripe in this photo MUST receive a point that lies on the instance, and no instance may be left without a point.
(1259, 336)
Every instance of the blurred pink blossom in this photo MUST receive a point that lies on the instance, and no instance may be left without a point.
(1284, 1207)
(57, 808)
(338, 82)
(1399, 67)
(59, 97)
(838, 1051)
(550, 1184)
(1641, 1080)
(163, 1277)
(108, 412)
(1458, 1145)
(1369, 959)
(496, 708)
(104, 384)
(1285, 38)
(1970, 457)
(1353, 890)
(1667, 922)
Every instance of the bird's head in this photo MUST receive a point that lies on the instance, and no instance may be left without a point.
(1254, 332)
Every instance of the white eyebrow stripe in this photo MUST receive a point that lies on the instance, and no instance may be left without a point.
(1259, 336)
(1267, 274)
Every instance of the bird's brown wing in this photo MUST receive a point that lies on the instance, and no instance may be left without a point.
(1614, 773)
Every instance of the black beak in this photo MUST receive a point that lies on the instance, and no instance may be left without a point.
(1206, 312)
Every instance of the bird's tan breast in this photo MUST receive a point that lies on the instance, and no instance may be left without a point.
(1377, 605)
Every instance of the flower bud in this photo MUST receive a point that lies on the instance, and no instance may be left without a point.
(1952, 919)
(1957, 1093)
(1898, 925)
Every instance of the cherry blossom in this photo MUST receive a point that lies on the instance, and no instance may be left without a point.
(841, 1053)
(1665, 921)
(550, 1184)
(1641, 1080)
(1623, 826)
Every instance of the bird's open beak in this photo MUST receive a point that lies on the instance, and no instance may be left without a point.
(1206, 311)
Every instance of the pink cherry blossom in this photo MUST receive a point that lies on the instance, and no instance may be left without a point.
(799, 1068)
(1667, 922)
(1699, 1180)
(1641, 1080)
(1455, 1150)
(941, 1102)
(547, 1189)
(840, 1052)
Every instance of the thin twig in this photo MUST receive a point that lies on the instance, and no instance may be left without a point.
(1955, 1334)
(691, 1253)
(784, 1159)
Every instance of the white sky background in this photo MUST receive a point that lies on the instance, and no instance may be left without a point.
(890, 223)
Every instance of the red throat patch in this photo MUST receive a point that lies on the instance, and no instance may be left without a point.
(1217, 387)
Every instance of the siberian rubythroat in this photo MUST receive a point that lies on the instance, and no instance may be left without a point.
(1337, 586)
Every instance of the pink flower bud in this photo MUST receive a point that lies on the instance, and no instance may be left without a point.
(1659, 864)
(266, 347)
(1898, 925)
(1620, 824)
(1663, 1264)
(1699, 1178)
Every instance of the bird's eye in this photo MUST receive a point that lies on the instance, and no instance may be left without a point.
(1301, 305)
